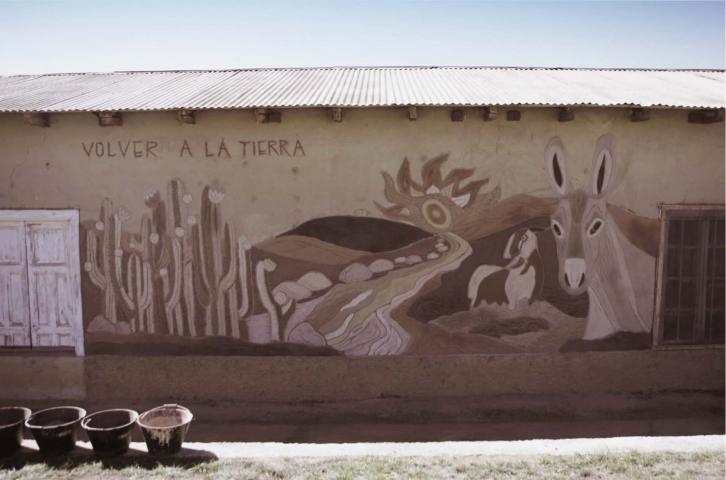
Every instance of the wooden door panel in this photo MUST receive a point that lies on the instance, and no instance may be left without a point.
(14, 300)
(54, 284)
(14, 306)
(51, 299)
(48, 244)
(12, 243)
(53, 339)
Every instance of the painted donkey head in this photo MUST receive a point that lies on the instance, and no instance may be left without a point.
(579, 222)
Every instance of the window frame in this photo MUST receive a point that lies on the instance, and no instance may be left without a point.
(657, 330)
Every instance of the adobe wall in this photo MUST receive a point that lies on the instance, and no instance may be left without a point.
(373, 236)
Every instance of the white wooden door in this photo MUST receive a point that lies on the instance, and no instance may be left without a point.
(14, 304)
(53, 290)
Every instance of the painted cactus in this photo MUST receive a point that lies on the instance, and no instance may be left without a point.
(215, 267)
(243, 257)
(100, 268)
(123, 274)
(137, 288)
(178, 267)
(177, 280)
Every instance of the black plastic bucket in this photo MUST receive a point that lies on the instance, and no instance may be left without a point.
(56, 429)
(110, 430)
(164, 428)
(12, 420)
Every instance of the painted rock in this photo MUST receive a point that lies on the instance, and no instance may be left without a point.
(381, 265)
(355, 272)
(413, 259)
(100, 324)
(123, 328)
(314, 281)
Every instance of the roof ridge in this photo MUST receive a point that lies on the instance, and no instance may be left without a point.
(381, 67)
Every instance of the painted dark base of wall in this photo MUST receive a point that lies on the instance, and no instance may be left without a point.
(294, 379)
(156, 345)
(162, 345)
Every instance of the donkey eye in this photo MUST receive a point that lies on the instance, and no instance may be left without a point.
(594, 227)
(557, 229)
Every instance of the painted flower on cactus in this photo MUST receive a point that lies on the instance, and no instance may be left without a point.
(179, 232)
(154, 238)
(215, 193)
(123, 215)
(187, 198)
(152, 199)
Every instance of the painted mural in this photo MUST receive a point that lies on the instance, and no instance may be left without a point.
(449, 267)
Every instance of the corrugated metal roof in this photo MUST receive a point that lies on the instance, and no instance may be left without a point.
(360, 87)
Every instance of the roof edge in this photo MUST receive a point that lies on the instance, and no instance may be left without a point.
(387, 67)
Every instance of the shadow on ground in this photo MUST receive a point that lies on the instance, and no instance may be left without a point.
(186, 458)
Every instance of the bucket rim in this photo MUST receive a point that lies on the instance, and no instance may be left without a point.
(88, 418)
(81, 411)
(27, 413)
(160, 407)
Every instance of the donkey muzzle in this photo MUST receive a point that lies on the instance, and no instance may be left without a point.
(575, 272)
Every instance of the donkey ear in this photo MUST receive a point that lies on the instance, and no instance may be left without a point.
(556, 166)
(603, 165)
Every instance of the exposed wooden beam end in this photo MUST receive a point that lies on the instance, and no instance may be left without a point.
(38, 119)
(274, 116)
(187, 116)
(261, 115)
(265, 115)
(412, 113)
(565, 114)
(490, 113)
(336, 114)
(639, 115)
(457, 115)
(514, 115)
(706, 116)
(110, 119)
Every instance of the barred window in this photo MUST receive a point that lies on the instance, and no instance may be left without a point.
(691, 280)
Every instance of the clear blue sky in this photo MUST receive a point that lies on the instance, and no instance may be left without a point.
(75, 35)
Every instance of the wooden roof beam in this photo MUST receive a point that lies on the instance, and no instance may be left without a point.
(490, 113)
(639, 115)
(412, 113)
(706, 116)
(565, 114)
(186, 116)
(514, 115)
(109, 119)
(37, 119)
(457, 115)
